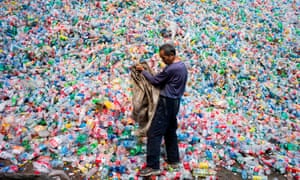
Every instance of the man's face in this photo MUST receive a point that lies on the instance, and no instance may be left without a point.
(166, 59)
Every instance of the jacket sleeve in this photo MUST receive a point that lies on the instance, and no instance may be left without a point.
(157, 80)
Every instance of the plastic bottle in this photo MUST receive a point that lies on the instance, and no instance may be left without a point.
(260, 177)
(91, 172)
(9, 169)
(42, 167)
(186, 174)
(244, 174)
(81, 138)
(8, 156)
(57, 163)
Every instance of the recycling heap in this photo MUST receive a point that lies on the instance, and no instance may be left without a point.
(66, 92)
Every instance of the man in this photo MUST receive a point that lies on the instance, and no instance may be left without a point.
(171, 82)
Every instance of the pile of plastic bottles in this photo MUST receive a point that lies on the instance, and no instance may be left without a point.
(65, 98)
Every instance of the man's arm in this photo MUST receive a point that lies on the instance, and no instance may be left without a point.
(157, 80)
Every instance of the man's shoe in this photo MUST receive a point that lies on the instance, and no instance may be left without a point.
(149, 172)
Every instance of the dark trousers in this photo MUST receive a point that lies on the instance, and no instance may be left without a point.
(164, 124)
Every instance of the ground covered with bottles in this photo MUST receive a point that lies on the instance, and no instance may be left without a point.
(66, 94)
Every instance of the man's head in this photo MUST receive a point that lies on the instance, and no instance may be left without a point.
(167, 52)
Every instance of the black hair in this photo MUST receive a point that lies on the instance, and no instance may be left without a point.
(168, 49)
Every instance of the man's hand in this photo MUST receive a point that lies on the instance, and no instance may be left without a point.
(139, 67)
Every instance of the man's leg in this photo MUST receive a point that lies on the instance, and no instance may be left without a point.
(155, 134)
(172, 146)
(170, 135)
